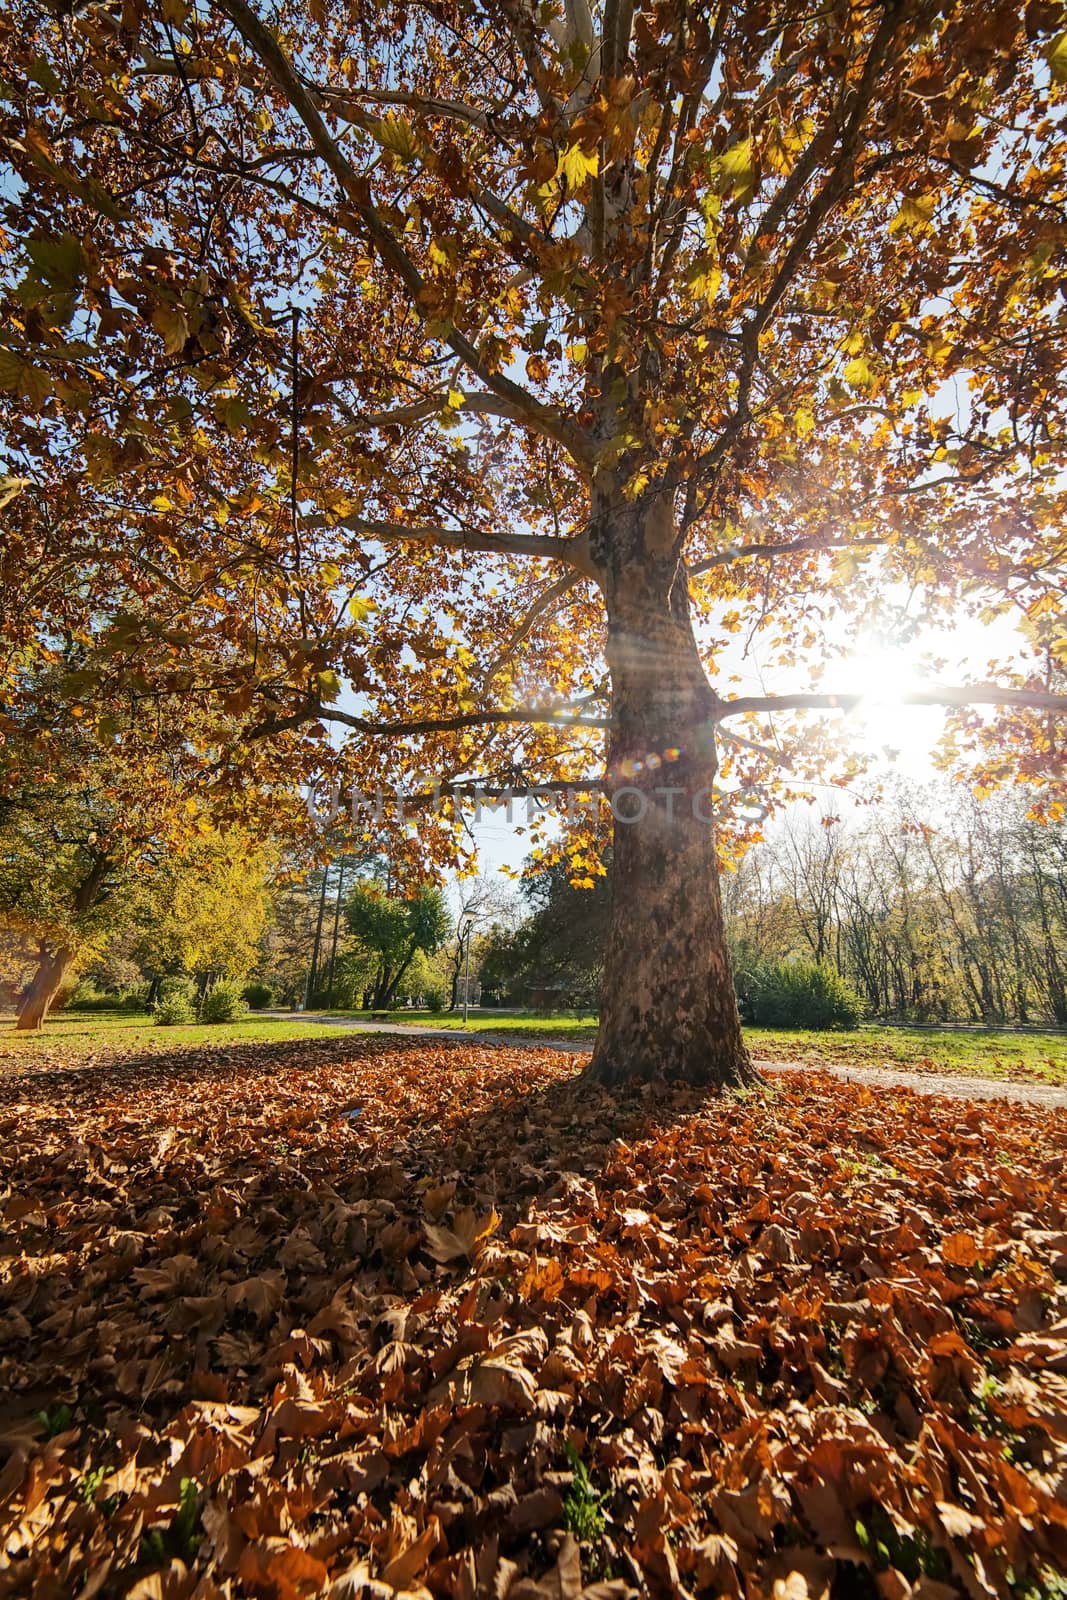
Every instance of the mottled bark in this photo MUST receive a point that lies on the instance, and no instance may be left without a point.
(668, 1005)
(52, 968)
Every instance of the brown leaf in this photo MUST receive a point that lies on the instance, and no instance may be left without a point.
(409, 1562)
(465, 1238)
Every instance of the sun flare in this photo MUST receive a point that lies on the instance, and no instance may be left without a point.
(883, 723)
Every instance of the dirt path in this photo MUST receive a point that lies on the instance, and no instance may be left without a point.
(959, 1087)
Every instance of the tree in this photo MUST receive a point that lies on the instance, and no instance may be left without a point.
(651, 310)
(394, 930)
(204, 911)
(561, 947)
(56, 890)
(288, 943)
(90, 813)
(73, 837)
(483, 901)
(932, 903)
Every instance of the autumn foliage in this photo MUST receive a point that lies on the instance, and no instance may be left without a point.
(374, 1318)
(464, 378)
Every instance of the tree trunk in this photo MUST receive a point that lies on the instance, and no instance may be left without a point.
(336, 931)
(389, 1002)
(382, 987)
(52, 968)
(668, 1005)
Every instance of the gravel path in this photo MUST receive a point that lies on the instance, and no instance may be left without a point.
(1050, 1096)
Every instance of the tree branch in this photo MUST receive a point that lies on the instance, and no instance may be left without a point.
(474, 403)
(263, 44)
(776, 756)
(822, 205)
(977, 694)
(574, 552)
(314, 711)
(515, 791)
(767, 552)
(425, 105)
(543, 603)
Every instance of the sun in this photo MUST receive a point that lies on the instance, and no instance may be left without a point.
(883, 725)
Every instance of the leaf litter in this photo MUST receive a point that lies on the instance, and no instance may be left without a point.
(507, 1335)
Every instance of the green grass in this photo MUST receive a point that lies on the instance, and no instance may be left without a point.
(1035, 1057)
(1026, 1057)
(121, 1032)
(1030, 1057)
(535, 1022)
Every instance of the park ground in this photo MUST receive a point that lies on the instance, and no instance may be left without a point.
(289, 1311)
(1013, 1056)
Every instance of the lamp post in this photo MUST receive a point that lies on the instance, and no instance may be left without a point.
(466, 929)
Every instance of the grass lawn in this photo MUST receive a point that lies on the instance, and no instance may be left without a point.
(1037, 1057)
(97, 1033)
(1025, 1057)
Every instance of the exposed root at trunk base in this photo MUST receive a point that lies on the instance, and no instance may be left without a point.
(712, 1067)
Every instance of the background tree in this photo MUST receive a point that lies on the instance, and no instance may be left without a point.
(287, 944)
(73, 838)
(651, 308)
(204, 912)
(393, 931)
(940, 906)
(559, 951)
(484, 903)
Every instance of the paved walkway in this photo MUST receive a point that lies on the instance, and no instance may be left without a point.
(1049, 1096)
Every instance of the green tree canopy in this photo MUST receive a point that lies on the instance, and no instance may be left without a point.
(204, 910)
(393, 929)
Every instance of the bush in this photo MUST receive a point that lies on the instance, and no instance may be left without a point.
(258, 995)
(87, 997)
(224, 1002)
(177, 983)
(435, 998)
(174, 1009)
(64, 995)
(799, 994)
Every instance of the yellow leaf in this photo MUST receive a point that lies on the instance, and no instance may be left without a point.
(805, 422)
(10, 488)
(1056, 56)
(705, 285)
(575, 166)
(455, 399)
(734, 172)
(397, 135)
(858, 373)
(913, 214)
